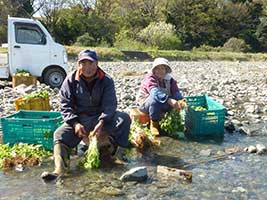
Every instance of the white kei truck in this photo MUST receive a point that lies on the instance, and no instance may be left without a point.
(31, 48)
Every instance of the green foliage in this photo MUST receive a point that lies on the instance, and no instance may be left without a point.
(134, 16)
(36, 94)
(198, 108)
(205, 47)
(85, 40)
(195, 21)
(160, 35)
(3, 33)
(92, 157)
(100, 29)
(171, 123)
(261, 32)
(240, 20)
(23, 150)
(113, 54)
(85, 29)
(236, 45)
(104, 54)
(136, 127)
(22, 73)
(70, 25)
(124, 41)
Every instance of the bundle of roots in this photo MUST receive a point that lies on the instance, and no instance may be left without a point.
(143, 141)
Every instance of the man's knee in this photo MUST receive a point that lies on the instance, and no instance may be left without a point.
(123, 119)
(65, 134)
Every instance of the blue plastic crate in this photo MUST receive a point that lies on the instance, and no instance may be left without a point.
(204, 123)
(32, 127)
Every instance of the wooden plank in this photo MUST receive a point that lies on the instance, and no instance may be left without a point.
(173, 172)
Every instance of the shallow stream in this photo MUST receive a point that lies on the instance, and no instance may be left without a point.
(238, 176)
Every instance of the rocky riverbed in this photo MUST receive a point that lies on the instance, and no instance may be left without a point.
(240, 86)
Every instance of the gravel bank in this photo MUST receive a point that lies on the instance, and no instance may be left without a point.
(240, 86)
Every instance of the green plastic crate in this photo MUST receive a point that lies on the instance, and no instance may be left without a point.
(204, 123)
(32, 127)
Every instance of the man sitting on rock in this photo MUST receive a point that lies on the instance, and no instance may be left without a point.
(88, 105)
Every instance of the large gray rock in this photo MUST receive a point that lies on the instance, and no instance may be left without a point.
(135, 174)
(261, 149)
(253, 129)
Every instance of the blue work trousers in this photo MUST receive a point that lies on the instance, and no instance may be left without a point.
(154, 108)
(118, 128)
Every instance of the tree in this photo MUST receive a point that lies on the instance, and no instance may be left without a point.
(240, 20)
(102, 30)
(87, 5)
(50, 13)
(195, 21)
(14, 8)
(261, 34)
(138, 14)
(160, 35)
(70, 25)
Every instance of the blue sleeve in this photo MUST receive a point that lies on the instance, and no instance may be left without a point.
(159, 95)
(177, 96)
(109, 101)
(67, 102)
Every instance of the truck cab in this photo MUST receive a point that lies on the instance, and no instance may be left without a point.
(31, 48)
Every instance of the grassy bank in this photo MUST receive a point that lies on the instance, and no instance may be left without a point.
(112, 54)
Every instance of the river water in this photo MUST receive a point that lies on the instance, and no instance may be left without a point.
(238, 176)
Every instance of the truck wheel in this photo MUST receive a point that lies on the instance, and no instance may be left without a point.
(54, 77)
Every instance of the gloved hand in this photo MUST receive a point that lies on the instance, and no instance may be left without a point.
(81, 132)
(180, 104)
(97, 130)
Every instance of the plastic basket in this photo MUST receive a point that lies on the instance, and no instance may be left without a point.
(204, 123)
(27, 80)
(33, 104)
(32, 127)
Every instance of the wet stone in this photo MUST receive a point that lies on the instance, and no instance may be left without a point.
(205, 152)
(135, 174)
(239, 189)
(252, 129)
(261, 149)
(117, 184)
(112, 191)
(79, 191)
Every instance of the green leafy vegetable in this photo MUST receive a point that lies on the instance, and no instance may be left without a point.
(198, 108)
(92, 157)
(21, 153)
(171, 123)
(36, 94)
(22, 73)
(137, 127)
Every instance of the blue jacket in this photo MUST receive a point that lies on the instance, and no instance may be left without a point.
(77, 100)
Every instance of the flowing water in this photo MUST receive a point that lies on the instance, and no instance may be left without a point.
(238, 176)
